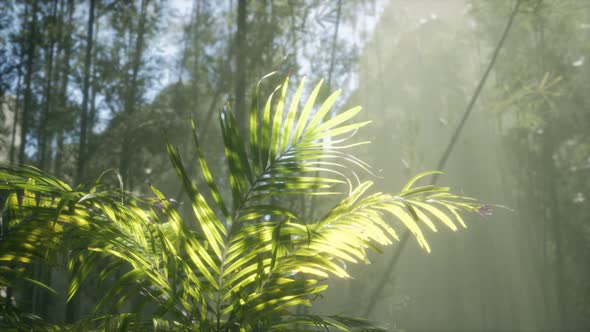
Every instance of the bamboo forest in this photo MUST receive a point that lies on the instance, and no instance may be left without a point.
(295, 165)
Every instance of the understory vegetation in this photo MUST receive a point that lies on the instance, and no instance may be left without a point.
(244, 258)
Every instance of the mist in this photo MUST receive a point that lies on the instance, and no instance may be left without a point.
(494, 94)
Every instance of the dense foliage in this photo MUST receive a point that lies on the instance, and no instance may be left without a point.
(239, 266)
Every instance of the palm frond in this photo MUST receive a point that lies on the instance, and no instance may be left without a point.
(237, 262)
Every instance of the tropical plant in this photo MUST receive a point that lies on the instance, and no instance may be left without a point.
(239, 264)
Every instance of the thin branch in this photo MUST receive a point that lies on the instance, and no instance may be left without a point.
(442, 163)
(334, 42)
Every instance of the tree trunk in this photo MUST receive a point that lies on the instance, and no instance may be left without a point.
(94, 86)
(334, 42)
(554, 220)
(55, 123)
(45, 114)
(28, 94)
(131, 96)
(62, 93)
(194, 36)
(551, 210)
(72, 306)
(16, 113)
(240, 54)
(29, 293)
(85, 91)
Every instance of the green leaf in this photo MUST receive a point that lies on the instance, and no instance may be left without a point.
(304, 116)
(212, 228)
(254, 132)
(418, 177)
(266, 132)
(208, 177)
(275, 143)
(322, 111)
(290, 122)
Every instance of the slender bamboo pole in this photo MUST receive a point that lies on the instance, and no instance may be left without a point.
(443, 161)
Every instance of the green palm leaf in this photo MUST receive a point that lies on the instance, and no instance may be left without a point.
(238, 266)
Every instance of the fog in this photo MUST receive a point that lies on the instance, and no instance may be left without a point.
(418, 69)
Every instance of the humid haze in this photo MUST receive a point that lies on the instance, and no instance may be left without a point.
(295, 165)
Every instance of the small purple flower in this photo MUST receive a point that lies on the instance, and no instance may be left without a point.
(485, 210)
